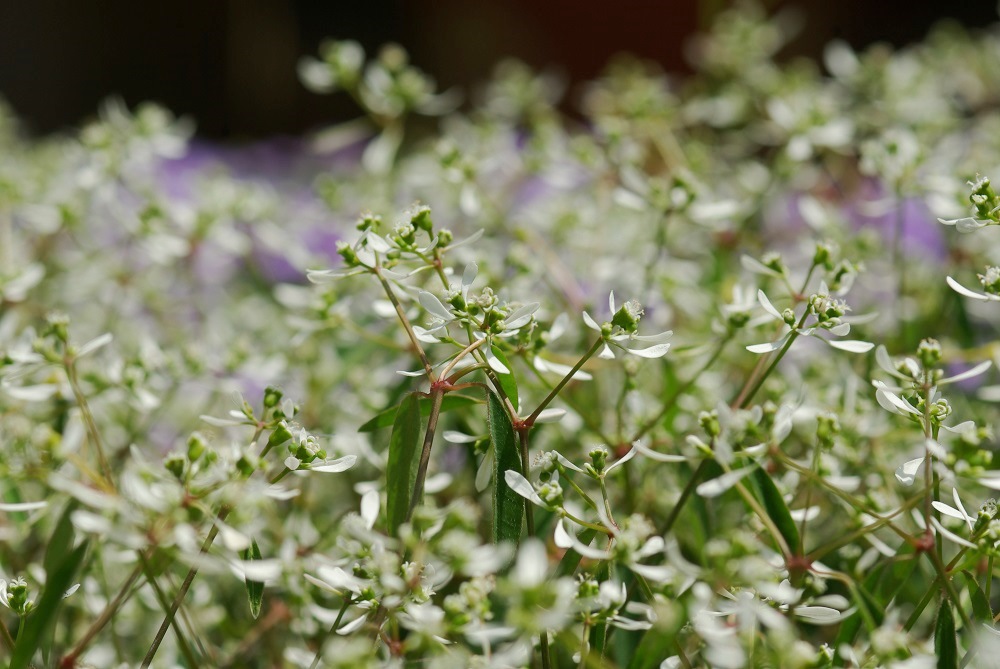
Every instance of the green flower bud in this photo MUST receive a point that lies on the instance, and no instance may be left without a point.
(929, 352)
(709, 421)
(627, 317)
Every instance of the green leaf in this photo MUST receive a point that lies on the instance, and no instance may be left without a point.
(507, 381)
(776, 508)
(60, 545)
(981, 610)
(41, 622)
(387, 417)
(255, 589)
(404, 457)
(508, 506)
(945, 643)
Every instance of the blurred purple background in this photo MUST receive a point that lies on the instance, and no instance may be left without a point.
(230, 64)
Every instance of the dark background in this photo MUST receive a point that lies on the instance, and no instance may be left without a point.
(230, 64)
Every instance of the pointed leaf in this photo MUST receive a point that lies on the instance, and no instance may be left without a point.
(386, 417)
(776, 508)
(981, 609)
(507, 381)
(945, 643)
(404, 456)
(255, 589)
(508, 506)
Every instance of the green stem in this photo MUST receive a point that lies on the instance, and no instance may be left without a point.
(93, 435)
(406, 323)
(185, 586)
(333, 630)
(437, 397)
(685, 494)
(566, 379)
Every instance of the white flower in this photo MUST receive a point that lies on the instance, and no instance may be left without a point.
(622, 328)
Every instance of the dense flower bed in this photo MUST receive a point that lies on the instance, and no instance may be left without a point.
(696, 374)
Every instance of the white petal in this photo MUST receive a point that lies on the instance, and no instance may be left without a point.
(653, 339)
(657, 351)
(768, 307)
(767, 348)
(757, 267)
(851, 345)
(590, 322)
(807, 514)
(948, 511)
(655, 573)
(821, 615)
(547, 366)
(485, 471)
(522, 487)
(494, 362)
(625, 458)
(414, 373)
(232, 539)
(885, 362)
(951, 536)
(841, 330)
(717, 486)
(962, 290)
(370, 508)
(968, 374)
(94, 344)
(606, 353)
(566, 463)
(334, 466)
(521, 316)
(352, 626)
(468, 276)
(550, 416)
(22, 506)
(455, 437)
(561, 537)
(907, 472)
(38, 393)
(656, 455)
(433, 305)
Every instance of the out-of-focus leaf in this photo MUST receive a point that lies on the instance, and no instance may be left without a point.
(255, 589)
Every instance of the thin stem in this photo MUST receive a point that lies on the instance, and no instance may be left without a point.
(672, 400)
(461, 354)
(589, 525)
(185, 586)
(793, 335)
(93, 435)
(162, 599)
(437, 397)
(566, 379)
(331, 632)
(685, 494)
(106, 615)
(406, 323)
(949, 587)
(529, 521)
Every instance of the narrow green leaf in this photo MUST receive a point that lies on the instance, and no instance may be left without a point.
(507, 381)
(255, 589)
(945, 643)
(981, 610)
(508, 506)
(40, 623)
(60, 545)
(776, 508)
(404, 457)
(388, 416)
